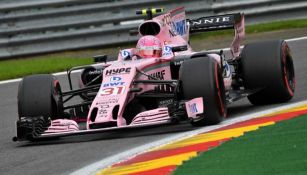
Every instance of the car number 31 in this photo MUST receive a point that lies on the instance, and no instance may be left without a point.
(113, 91)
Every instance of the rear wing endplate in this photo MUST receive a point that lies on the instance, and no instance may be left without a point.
(222, 22)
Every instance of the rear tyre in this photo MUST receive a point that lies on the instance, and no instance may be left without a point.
(201, 77)
(268, 66)
(40, 95)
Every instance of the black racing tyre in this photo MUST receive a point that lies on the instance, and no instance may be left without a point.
(40, 95)
(268, 66)
(132, 109)
(201, 77)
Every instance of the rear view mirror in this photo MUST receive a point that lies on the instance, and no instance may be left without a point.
(100, 58)
(180, 48)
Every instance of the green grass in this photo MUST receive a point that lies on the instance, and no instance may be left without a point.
(50, 63)
(20, 67)
(56, 62)
(278, 149)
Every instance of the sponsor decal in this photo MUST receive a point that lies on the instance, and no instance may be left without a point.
(125, 54)
(226, 67)
(113, 91)
(104, 106)
(111, 84)
(164, 103)
(95, 72)
(178, 63)
(193, 108)
(212, 20)
(166, 20)
(167, 50)
(147, 113)
(172, 33)
(118, 71)
(180, 27)
(110, 101)
(102, 111)
(115, 78)
(158, 75)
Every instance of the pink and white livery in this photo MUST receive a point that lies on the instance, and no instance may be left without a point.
(160, 81)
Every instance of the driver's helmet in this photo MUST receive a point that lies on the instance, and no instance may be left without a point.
(149, 47)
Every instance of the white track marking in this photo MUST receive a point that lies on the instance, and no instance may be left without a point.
(104, 163)
(10, 81)
(19, 79)
(297, 39)
(226, 49)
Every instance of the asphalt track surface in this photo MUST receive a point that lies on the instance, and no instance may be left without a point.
(69, 154)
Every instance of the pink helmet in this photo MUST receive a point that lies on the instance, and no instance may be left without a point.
(149, 47)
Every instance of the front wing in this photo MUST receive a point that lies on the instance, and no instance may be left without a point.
(34, 129)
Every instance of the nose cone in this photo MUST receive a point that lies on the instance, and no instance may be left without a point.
(111, 98)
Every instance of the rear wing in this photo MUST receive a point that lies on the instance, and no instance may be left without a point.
(222, 22)
(211, 23)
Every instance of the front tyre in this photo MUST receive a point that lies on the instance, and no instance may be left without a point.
(268, 67)
(201, 77)
(40, 95)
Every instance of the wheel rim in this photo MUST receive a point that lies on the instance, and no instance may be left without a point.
(58, 100)
(288, 70)
(220, 95)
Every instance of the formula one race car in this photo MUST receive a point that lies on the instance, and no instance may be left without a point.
(160, 81)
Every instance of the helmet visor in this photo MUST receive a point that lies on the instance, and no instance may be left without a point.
(150, 53)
